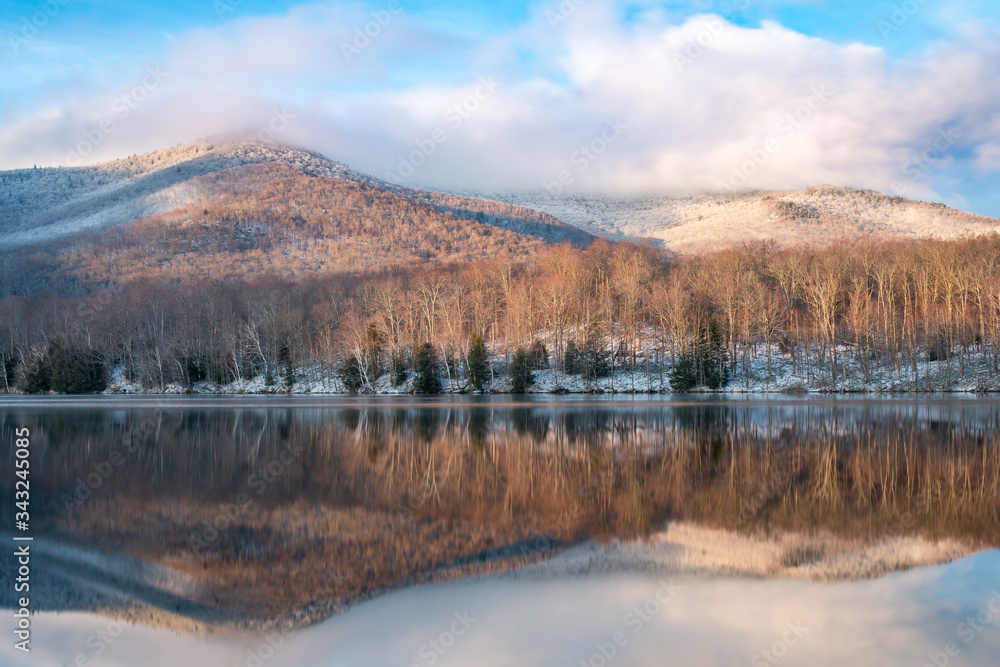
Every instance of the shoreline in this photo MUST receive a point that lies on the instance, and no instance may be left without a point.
(224, 391)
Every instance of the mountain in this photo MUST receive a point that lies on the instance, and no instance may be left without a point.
(232, 207)
(817, 215)
(215, 209)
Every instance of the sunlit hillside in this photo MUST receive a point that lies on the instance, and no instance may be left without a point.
(241, 209)
(816, 216)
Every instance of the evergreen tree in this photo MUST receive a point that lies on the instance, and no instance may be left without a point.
(76, 371)
(479, 367)
(707, 365)
(288, 371)
(350, 374)
(715, 361)
(538, 356)
(521, 376)
(425, 362)
(571, 359)
(594, 358)
(684, 376)
(195, 370)
(38, 378)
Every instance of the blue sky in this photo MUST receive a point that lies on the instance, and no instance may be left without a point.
(701, 86)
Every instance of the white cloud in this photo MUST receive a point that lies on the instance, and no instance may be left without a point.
(701, 100)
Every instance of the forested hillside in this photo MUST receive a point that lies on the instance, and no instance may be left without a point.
(263, 220)
(266, 268)
(42, 205)
(899, 315)
(282, 212)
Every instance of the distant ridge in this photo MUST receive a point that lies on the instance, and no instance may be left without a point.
(817, 215)
(48, 204)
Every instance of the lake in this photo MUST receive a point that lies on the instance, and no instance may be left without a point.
(264, 515)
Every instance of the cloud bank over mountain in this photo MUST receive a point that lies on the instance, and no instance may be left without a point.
(586, 95)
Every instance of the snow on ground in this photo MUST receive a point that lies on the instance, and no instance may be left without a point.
(38, 205)
(807, 374)
(696, 222)
(689, 548)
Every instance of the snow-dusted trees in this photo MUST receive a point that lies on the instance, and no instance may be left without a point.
(848, 311)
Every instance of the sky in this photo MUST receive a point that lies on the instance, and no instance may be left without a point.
(573, 96)
(905, 618)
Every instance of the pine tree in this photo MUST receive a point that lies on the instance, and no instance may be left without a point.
(715, 361)
(479, 367)
(707, 365)
(538, 356)
(425, 362)
(76, 371)
(521, 376)
(684, 376)
(350, 374)
(594, 358)
(289, 374)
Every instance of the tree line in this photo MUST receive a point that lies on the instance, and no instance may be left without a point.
(839, 313)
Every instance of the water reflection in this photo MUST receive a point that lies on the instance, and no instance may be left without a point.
(912, 454)
(268, 497)
(915, 618)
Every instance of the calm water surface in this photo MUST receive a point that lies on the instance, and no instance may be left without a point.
(208, 449)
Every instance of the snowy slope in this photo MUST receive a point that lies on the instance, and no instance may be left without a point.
(44, 204)
(704, 221)
(38, 205)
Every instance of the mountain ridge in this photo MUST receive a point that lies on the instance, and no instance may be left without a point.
(44, 204)
(697, 222)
